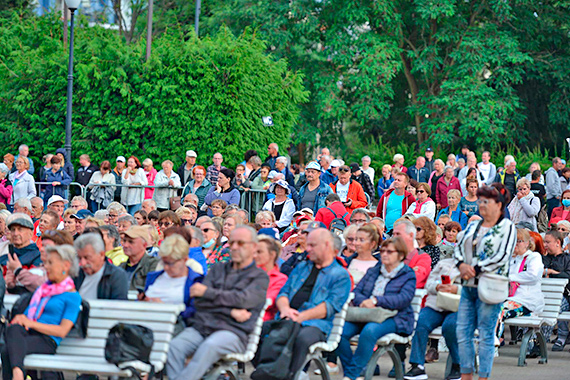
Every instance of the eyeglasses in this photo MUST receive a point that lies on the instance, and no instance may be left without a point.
(206, 230)
(390, 251)
(186, 221)
(420, 191)
(418, 229)
(351, 239)
(240, 243)
(112, 216)
(483, 202)
(358, 221)
(165, 224)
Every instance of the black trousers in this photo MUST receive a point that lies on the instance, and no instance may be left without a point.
(21, 342)
(308, 335)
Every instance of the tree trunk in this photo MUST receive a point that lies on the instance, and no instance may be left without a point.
(413, 86)
(301, 149)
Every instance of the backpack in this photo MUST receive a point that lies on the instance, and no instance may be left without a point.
(129, 346)
(542, 220)
(338, 223)
(273, 358)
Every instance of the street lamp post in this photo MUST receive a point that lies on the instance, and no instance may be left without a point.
(72, 5)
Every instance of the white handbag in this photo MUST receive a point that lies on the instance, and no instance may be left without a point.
(448, 301)
(493, 288)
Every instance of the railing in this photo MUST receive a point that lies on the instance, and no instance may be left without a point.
(39, 186)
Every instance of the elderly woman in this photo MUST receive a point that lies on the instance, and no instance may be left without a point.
(4, 231)
(230, 223)
(443, 278)
(150, 172)
(23, 183)
(426, 238)
(172, 284)
(266, 219)
(562, 212)
(399, 163)
(525, 275)
(525, 206)
(390, 284)
(282, 207)
(5, 185)
(133, 174)
(224, 190)
(187, 215)
(213, 247)
(102, 196)
(268, 250)
(170, 181)
(53, 310)
(198, 186)
(483, 248)
(452, 209)
(424, 205)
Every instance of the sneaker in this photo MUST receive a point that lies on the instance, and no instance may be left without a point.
(455, 373)
(392, 373)
(416, 372)
(432, 355)
(558, 345)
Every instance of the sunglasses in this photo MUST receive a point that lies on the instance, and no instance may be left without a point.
(165, 224)
(186, 221)
(344, 170)
(420, 191)
(418, 229)
(206, 230)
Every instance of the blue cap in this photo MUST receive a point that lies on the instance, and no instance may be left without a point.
(82, 214)
(271, 232)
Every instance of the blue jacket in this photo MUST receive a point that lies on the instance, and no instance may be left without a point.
(192, 278)
(322, 193)
(195, 253)
(60, 176)
(327, 177)
(420, 175)
(456, 216)
(398, 295)
(296, 258)
(332, 287)
(383, 185)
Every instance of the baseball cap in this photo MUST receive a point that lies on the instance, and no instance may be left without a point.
(301, 218)
(121, 159)
(315, 225)
(57, 198)
(137, 232)
(20, 219)
(271, 232)
(82, 214)
(313, 165)
(429, 149)
(272, 174)
(191, 153)
(335, 164)
(354, 167)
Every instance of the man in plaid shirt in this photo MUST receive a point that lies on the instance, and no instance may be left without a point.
(213, 171)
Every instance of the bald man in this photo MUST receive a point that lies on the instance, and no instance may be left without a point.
(273, 153)
(315, 291)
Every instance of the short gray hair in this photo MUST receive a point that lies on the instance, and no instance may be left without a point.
(151, 202)
(4, 214)
(327, 158)
(251, 230)
(113, 233)
(410, 227)
(25, 203)
(361, 211)
(523, 181)
(22, 147)
(4, 168)
(509, 162)
(101, 214)
(282, 159)
(80, 199)
(366, 158)
(337, 242)
(197, 234)
(255, 160)
(116, 206)
(92, 239)
(67, 253)
(128, 218)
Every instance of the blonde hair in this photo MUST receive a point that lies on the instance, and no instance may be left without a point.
(153, 234)
(454, 192)
(182, 210)
(386, 166)
(175, 247)
(69, 211)
(265, 215)
(92, 219)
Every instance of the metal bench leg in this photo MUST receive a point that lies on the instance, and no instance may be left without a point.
(371, 366)
(543, 349)
(317, 357)
(524, 347)
(395, 356)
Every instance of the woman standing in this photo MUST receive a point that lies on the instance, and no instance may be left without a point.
(102, 196)
(50, 316)
(268, 250)
(399, 163)
(452, 209)
(5, 185)
(438, 173)
(426, 238)
(9, 161)
(198, 186)
(471, 173)
(282, 207)
(444, 185)
(424, 205)
(390, 284)
(485, 247)
(525, 206)
(385, 181)
(133, 174)
(150, 173)
(23, 183)
(468, 203)
(170, 180)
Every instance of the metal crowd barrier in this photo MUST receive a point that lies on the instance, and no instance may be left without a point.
(252, 201)
(44, 185)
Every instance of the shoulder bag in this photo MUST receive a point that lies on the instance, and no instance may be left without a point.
(448, 301)
(363, 314)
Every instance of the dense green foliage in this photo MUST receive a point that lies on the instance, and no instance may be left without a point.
(206, 94)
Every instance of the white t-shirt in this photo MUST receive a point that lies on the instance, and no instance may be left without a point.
(358, 268)
(485, 169)
(342, 190)
(88, 289)
(370, 172)
(168, 289)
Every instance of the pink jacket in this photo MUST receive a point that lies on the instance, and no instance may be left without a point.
(150, 176)
(443, 188)
(5, 191)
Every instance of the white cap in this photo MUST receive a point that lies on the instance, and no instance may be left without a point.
(57, 198)
(335, 164)
(121, 159)
(313, 165)
(307, 210)
(191, 153)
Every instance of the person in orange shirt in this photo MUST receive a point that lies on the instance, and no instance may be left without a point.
(350, 191)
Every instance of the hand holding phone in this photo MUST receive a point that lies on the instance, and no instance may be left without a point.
(445, 280)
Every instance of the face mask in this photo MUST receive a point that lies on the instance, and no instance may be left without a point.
(566, 202)
(209, 244)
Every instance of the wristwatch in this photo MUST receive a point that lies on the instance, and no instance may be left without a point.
(374, 300)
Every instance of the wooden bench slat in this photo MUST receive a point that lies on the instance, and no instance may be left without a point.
(108, 323)
(100, 344)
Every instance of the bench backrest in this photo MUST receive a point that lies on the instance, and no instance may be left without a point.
(338, 323)
(104, 314)
(417, 304)
(552, 289)
(254, 336)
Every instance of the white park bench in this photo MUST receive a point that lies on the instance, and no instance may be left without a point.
(87, 356)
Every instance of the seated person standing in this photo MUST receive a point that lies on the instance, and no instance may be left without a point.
(139, 265)
(227, 303)
(315, 291)
(98, 278)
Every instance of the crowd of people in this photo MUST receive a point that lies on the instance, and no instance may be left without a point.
(193, 236)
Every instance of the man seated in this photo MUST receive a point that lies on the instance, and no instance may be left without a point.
(227, 304)
(315, 291)
(135, 240)
(98, 279)
(335, 209)
(19, 249)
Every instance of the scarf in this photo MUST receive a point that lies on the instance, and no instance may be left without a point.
(19, 176)
(383, 280)
(419, 205)
(43, 294)
(516, 210)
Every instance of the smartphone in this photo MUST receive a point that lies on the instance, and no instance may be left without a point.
(141, 291)
(445, 280)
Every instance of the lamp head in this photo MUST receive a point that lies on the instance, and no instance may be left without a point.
(72, 4)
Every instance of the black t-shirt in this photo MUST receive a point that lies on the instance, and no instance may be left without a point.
(539, 191)
(304, 293)
(278, 210)
(511, 184)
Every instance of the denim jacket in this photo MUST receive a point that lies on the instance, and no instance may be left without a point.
(332, 287)
(322, 193)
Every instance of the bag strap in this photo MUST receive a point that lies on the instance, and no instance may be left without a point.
(522, 264)
(334, 213)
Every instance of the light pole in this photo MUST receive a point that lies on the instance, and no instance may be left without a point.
(72, 5)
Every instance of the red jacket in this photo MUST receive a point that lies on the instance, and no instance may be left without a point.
(557, 214)
(406, 203)
(326, 216)
(356, 193)
(276, 282)
(442, 188)
(423, 263)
